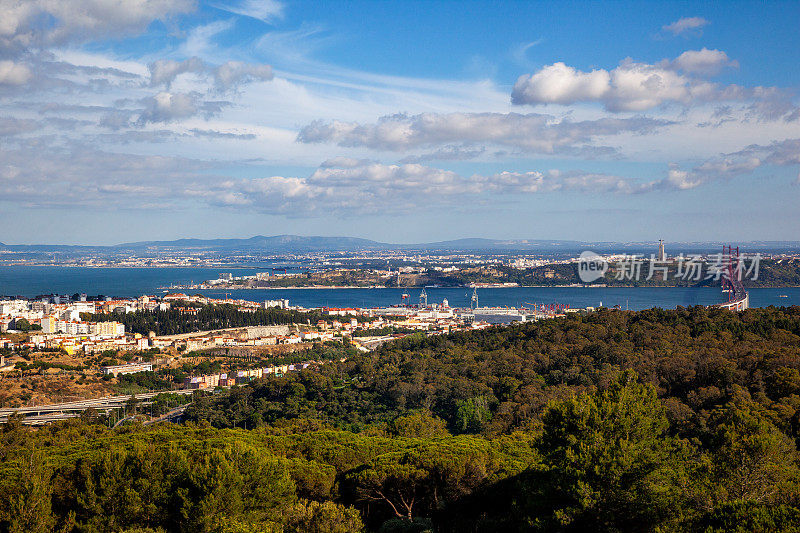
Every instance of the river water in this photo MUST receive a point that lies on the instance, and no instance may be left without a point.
(125, 282)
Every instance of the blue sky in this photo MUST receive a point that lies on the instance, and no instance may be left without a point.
(398, 121)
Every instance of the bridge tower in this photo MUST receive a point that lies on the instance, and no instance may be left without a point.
(732, 275)
(473, 302)
(731, 266)
(423, 299)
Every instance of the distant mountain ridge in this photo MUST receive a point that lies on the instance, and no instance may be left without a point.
(300, 243)
(260, 242)
(286, 243)
(306, 244)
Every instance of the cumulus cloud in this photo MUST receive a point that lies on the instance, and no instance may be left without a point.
(634, 86)
(123, 188)
(446, 153)
(164, 71)
(166, 107)
(133, 103)
(705, 62)
(77, 174)
(629, 87)
(12, 73)
(347, 186)
(10, 126)
(536, 133)
(679, 179)
(561, 84)
(344, 162)
(41, 71)
(686, 26)
(780, 153)
(555, 180)
(773, 106)
(169, 107)
(67, 124)
(116, 119)
(136, 137)
(233, 73)
(54, 67)
(215, 134)
(227, 76)
(41, 23)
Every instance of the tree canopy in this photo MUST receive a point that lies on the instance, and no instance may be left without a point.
(682, 420)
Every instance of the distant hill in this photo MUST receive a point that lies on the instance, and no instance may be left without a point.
(495, 244)
(307, 244)
(277, 243)
(297, 243)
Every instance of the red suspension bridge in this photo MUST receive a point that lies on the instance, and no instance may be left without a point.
(732, 267)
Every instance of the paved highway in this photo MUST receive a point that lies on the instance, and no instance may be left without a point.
(58, 411)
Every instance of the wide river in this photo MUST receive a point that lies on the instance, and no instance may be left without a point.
(31, 281)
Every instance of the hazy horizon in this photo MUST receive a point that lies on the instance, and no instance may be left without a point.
(385, 242)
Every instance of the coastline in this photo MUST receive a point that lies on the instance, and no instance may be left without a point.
(420, 287)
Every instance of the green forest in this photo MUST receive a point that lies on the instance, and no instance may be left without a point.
(208, 317)
(615, 421)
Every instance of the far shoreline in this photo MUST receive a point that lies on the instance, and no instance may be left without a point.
(420, 287)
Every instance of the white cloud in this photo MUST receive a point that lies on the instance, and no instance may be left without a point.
(686, 26)
(446, 153)
(633, 86)
(446, 120)
(216, 134)
(122, 188)
(233, 73)
(264, 10)
(679, 179)
(15, 126)
(116, 119)
(344, 162)
(164, 71)
(200, 40)
(12, 73)
(555, 180)
(535, 133)
(169, 107)
(519, 52)
(41, 23)
(780, 153)
(705, 62)
(366, 187)
(77, 174)
(629, 87)
(165, 107)
(561, 84)
(227, 76)
(773, 105)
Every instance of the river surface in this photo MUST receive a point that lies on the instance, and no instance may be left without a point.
(31, 281)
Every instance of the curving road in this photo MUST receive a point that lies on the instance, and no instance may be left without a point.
(42, 414)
